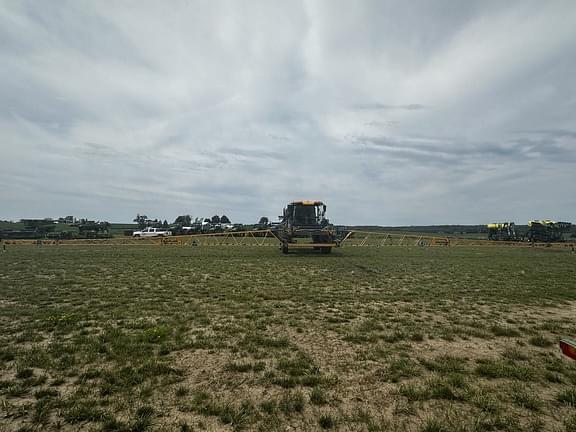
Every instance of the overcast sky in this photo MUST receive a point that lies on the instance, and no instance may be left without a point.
(391, 112)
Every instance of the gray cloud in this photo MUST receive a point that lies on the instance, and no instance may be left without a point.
(425, 112)
(384, 107)
(554, 146)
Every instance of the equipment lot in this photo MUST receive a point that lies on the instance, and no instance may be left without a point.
(220, 338)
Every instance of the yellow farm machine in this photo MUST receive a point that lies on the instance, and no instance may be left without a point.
(503, 231)
(303, 225)
(539, 231)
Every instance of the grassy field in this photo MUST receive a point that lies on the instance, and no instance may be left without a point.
(140, 338)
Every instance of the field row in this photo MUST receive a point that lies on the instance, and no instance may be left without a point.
(193, 338)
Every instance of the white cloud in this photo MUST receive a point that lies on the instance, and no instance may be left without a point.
(392, 114)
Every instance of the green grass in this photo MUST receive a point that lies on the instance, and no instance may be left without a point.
(505, 369)
(318, 396)
(119, 338)
(507, 331)
(526, 397)
(567, 396)
(398, 369)
(540, 341)
(445, 364)
(326, 421)
(292, 402)
(570, 423)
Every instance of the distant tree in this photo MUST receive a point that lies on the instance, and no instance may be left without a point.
(141, 220)
(207, 220)
(184, 220)
(165, 224)
(224, 219)
(215, 219)
(263, 221)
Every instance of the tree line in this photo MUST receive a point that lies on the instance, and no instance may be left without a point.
(144, 221)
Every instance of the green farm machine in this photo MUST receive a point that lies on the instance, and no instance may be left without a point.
(547, 230)
(303, 225)
(539, 231)
(88, 229)
(502, 231)
(33, 229)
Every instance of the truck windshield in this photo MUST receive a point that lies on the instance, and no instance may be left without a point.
(305, 215)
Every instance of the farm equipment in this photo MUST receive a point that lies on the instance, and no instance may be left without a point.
(304, 225)
(547, 230)
(88, 229)
(568, 347)
(502, 231)
(33, 229)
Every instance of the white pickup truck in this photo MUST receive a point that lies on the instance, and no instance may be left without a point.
(151, 232)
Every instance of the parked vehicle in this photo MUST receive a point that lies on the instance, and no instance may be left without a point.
(152, 232)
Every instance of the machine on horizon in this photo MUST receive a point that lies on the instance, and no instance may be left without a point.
(303, 225)
(545, 231)
(503, 231)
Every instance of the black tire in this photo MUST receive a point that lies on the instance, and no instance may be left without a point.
(137, 236)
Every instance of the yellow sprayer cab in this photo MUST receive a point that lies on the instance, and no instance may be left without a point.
(503, 231)
(304, 225)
